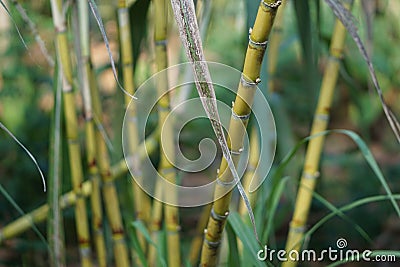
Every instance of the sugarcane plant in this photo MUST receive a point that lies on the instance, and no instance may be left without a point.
(71, 124)
(91, 150)
(321, 118)
(141, 199)
(258, 39)
(166, 168)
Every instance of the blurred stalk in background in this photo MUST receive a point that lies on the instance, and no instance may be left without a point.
(71, 124)
(83, 52)
(166, 167)
(314, 149)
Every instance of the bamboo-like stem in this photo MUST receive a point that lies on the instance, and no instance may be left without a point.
(197, 241)
(109, 190)
(141, 199)
(155, 226)
(242, 107)
(91, 151)
(166, 168)
(283, 125)
(251, 173)
(40, 214)
(81, 219)
(314, 149)
(273, 47)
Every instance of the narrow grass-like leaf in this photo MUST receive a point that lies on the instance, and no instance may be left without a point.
(368, 8)
(138, 13)
(372, 163)
(143, 230)
(243, 232)
(55, 224)
(348, 207)
(273, 205)
(204, 13)
(190, 36)
(233, 260)
(104, 135)
(302, 10)
(9, 198)
(15, 24)
(138, 249)
(27, 152)
(34, 31)
(335, 210)
(348, 21)
(99, 21)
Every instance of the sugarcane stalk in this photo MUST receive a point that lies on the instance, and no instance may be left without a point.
(141, 199)
(314, 149)
(91, 151)
(81, 219)
(283, 125)
(273, 47)
(241, 109)
(165, 167)
(161, 63)
(197, 241)
(155, 226)
(40, 214)
(251, 174)
(109, 191)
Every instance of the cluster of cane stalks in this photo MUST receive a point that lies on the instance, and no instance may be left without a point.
(99, 185)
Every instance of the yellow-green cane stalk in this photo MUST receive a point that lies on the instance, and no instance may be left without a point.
(109, 190)
(71, 123)
(273, 47)
(141, 200)
(283, 126)
(166, 168)
(251, 174)
(197, 241)
(40, 214)
(91, 151)
(314, 149)
(155, 226)
(242, 107)
(160, 31)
